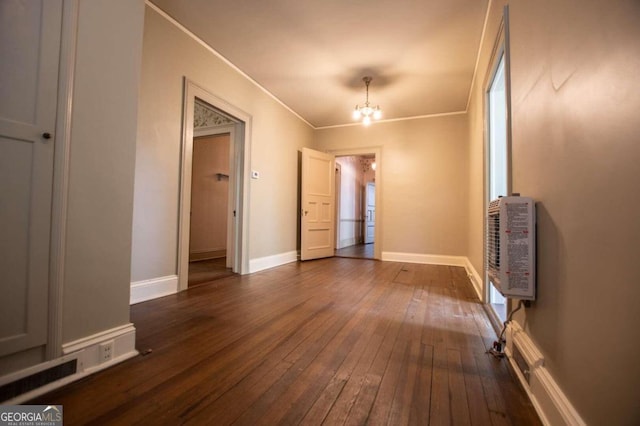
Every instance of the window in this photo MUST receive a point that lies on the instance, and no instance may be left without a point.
(498, 142)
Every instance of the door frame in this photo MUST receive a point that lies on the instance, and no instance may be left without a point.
(377, 152)
(61, 167)
(240, 196)
(338, 183)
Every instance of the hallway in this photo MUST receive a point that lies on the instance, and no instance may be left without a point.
(330, 341)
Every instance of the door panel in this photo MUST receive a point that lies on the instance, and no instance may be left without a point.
(370, 219)
(29, 54)
(318, 205)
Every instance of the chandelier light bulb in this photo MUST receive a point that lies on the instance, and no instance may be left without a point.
(366, 111)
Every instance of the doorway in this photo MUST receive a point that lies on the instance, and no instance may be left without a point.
(209, 227)
(207, 119)
(355, 206)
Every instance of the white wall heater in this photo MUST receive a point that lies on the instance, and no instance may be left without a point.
(510, 250)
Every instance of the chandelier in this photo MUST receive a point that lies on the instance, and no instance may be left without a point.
(367, 111)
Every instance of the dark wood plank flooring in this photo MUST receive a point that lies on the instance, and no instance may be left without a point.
(357, 251)
(333, 341)
(203, 271)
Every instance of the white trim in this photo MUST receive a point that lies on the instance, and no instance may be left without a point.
(86, 352)
(556, 403)
(238, 181)
(551, 404)
(95, 339)
(222, 58)
(262, 263)
(214, 130)
(474, 277)
(153, 288)
(428, 259)
(475, 69)
(62, 156)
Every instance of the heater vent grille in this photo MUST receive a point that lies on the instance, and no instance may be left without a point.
(510, 246)
(37, 380)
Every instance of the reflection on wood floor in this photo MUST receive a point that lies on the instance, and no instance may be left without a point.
(203, 271)
(359, 251)
(330, 341)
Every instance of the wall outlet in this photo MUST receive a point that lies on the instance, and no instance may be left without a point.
(105, 351)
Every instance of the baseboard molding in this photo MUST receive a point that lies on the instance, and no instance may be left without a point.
(429, 259)
(262, 263)
(552, 405)
(153, 288)
(474, 277)
(86, 352)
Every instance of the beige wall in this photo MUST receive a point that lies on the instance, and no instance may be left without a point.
(97, 265)
(422, 174)
(168, 56)
(576, 97)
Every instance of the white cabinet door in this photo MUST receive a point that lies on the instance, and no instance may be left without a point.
(29, 56)
(318, 205)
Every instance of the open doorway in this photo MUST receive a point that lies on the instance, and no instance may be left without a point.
(210, 172)
(215, 148)
(356, 206)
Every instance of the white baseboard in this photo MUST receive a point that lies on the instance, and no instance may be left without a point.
(552, 405)
(474, 277)
(86, 352)
(262, 263)
(429, 259)
(153, 288)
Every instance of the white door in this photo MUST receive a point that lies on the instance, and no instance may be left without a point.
(318, 205)
(370, 219)
(29, 56)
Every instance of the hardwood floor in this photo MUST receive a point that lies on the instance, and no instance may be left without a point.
(358, 251)
(203, 271)
(333, 341)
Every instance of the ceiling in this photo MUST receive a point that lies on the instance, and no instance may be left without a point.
(312, 54)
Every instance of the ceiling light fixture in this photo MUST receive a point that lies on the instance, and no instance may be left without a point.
(366, 112)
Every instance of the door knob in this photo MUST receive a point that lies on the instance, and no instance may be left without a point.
(46, 135)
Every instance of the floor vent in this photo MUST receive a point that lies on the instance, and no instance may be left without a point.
(37, 380)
